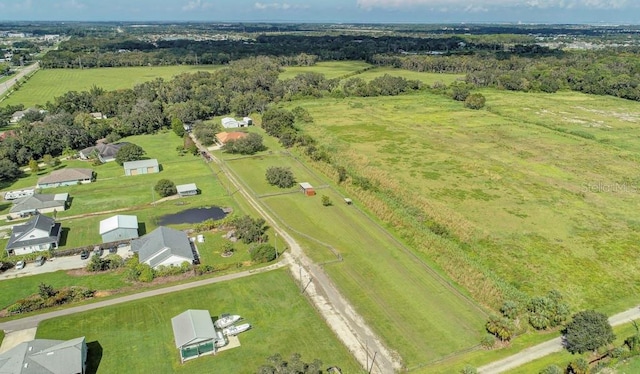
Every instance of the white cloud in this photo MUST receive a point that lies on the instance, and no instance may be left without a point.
(196, 5)
(279, 6)
(484, 5)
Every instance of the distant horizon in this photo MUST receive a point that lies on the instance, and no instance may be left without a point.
(319, 22)
(545, 12)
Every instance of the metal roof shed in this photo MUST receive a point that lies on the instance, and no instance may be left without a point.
(194, 334)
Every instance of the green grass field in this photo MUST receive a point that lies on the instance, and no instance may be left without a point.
(330, 69)
(47, 84)
(426, 78)
(19, 288)
(536, 207)
(403, 301)
(137, 336)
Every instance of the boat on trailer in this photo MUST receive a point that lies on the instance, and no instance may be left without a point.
(235, 330)
(226, 320)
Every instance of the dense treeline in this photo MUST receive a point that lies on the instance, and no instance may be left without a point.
(599, 73)
(121, 51)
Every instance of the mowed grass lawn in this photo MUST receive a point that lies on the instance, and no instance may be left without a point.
(137, 337)
(47, 84)
(539, 208)
(18, 288)
(408, 306)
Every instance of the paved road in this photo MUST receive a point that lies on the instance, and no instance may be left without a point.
(6, 86)
(348, 325)
(548, 347)
(30, 322)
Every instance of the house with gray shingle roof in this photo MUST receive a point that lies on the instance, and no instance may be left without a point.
(194, 334)
(105, 152)
(39, 203)
(46, 356)
(66, 177)
(163, 247)
(40, 233)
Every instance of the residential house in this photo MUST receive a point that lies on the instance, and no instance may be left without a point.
(40, 233)
(119, 227)
(98, 115)
(195, 335)
(39, 203)
(105, 152)
(17, 116)
(66, 177)
(46, 356)
(187, 189)
(163, 247)
(224, 137)
(141, 167)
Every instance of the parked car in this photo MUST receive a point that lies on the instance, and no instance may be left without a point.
(84, 255)
(40, 260)
(97, 250)
(113, 250)
(20, 265)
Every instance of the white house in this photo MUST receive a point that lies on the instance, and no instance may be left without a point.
(66, 177)
(163, 247)
(119, 227)
(39, 203)
(41, 233)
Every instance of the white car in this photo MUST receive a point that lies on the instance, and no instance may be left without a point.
(20, 265)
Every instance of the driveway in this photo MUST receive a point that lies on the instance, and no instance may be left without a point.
(57, 263)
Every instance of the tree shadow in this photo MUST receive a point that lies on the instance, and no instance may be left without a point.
(94, 356)
(142, 228)
(4, 205)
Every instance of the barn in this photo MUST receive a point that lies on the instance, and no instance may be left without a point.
(141, 167)
(119, 227)
(307, 189)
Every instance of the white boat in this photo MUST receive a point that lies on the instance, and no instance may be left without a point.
(221, 340)
(226, 320)
(235, 330)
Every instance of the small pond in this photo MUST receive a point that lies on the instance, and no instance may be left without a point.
(194, 215)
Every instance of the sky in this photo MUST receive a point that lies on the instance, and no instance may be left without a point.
(347, 11)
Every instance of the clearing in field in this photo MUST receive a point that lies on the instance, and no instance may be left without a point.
(418, 313)
(137, 337)
(330, 69)
(529, 202)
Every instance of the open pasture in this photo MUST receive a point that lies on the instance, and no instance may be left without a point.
(403, 298)
(137, 336)
(538, 208)
(330, 69)
(426, 78)
(47, 84)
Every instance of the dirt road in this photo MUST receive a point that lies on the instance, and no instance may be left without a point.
(348, 325)
(7, 85)
(548, 347)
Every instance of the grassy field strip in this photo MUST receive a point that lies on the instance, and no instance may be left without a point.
(137, 336)
(330, 69)
(50, 83)
(386, 286)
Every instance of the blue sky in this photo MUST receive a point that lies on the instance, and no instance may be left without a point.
(362, 11)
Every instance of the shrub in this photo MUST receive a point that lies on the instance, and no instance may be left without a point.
(475, 101)
(262, 253)
(552, 369)
(146, 273)
(488, 341)
(326, 200)
(165, 188)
